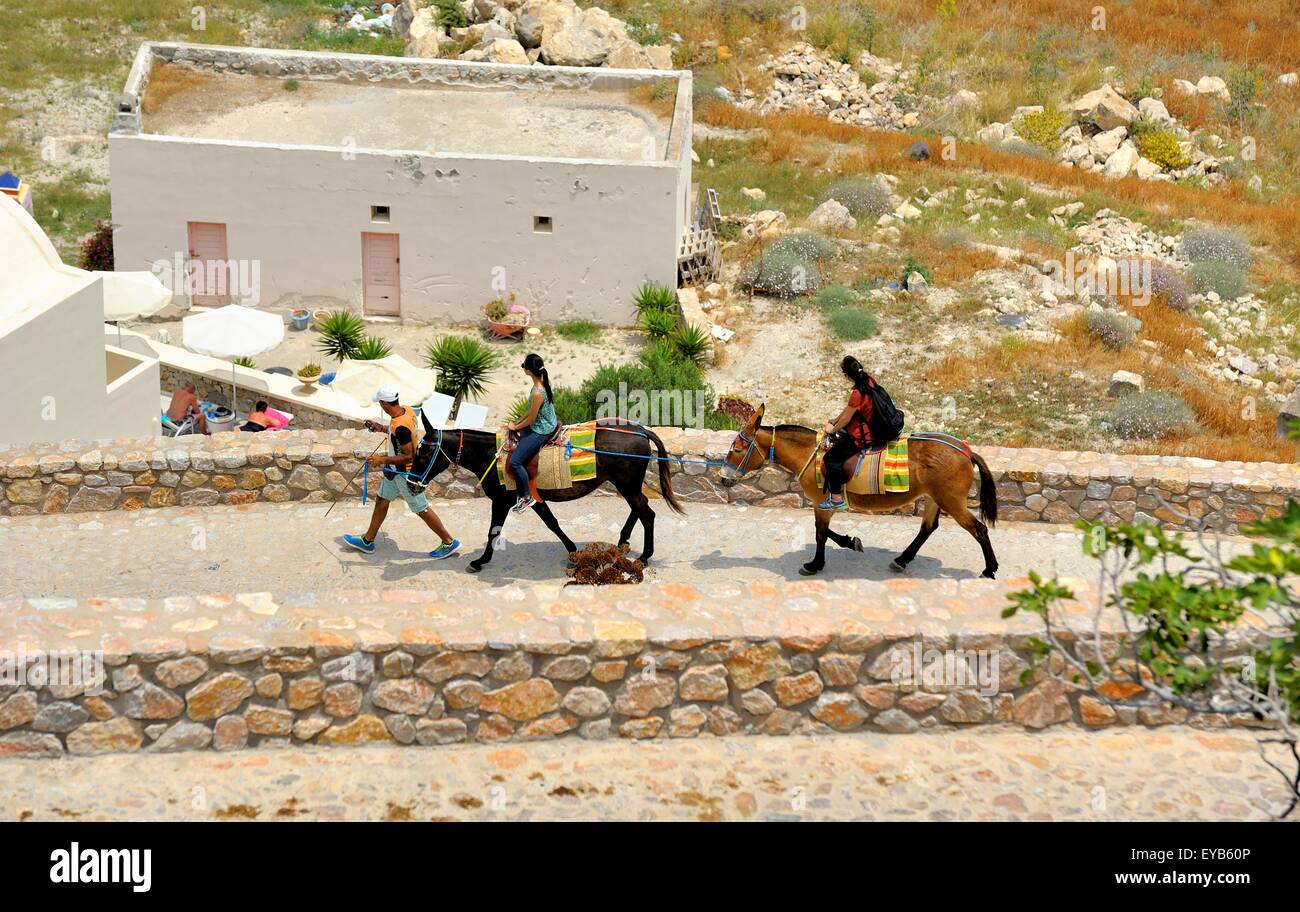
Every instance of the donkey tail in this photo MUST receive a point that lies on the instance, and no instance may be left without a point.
(665, 476)
(988, 491)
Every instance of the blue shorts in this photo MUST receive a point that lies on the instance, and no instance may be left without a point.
(393, 488)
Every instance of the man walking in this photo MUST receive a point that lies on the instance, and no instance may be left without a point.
(401, 432)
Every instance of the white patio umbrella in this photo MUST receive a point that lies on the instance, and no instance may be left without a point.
(233, 331)
(132, 295)
(360, 379)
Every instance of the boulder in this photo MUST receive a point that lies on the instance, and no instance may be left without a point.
(628, 55)
(1288, 413)
(1105, 143)
(1146, 169)
(1105, 107)
(963, 98)
(498, 50)
(424, 36)
(483, 10)
(661, 56)
(917, 284)
(403, 16)
(1121, 161)
(585, 38)
(1288, 79)
(831, 217)
(1154, 109)
(528, 30)
(766, 223)
(553, 14)
(918, 151)
(754, 193)
(1123, 383)
(1183, 88)
(1213, 85)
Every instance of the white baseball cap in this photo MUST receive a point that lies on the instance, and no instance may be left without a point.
(386, 394)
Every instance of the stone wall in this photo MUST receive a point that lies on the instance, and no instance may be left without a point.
(661, 660)
(172, 377)
(235, 468)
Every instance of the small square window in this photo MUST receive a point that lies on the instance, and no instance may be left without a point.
(542, 224)
(380, 214)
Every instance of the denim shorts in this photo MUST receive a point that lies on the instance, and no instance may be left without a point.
(393, 488)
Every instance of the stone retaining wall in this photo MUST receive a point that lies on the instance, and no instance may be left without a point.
(235, 468)
(304, 416)
(524, 663)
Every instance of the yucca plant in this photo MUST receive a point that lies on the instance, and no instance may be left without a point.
(691, 343)
(659, 323)
(652, 298)
(245, 362)
(341, 335)
(372, 348)
(463, 365)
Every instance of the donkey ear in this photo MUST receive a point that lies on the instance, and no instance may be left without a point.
(760, 411)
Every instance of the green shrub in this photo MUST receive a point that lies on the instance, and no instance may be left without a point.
(579, 331)
(809, 245)
(1149, 414)
(691, 343)
(372, 348)
(1111, 328)
(245, 361)
(784, 275)
(913, 265)
(862, 196)
(833, 296)
(1227, 280)
(450, 13)
(463, 364)
(341, 333)
(1221, 245)
(652, 297)
(1162, 148)
(1043, 128)
(852, 324)
(659, 323)
(1168, 286)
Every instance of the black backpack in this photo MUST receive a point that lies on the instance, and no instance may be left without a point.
(886, 421)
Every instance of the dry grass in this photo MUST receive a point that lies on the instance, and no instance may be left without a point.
(167, 80)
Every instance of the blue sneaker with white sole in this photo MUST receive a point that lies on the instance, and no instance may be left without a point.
(446, 550)
(356, 541)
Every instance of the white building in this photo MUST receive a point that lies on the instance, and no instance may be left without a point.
(59, 378)
(410, 188)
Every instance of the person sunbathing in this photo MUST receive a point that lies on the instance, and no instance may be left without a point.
(261, 418)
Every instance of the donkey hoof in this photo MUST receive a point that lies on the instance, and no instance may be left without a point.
(809, 570)
(625, 547)
(857, 544)
(473, 567)
(897, 567)
(989, 574)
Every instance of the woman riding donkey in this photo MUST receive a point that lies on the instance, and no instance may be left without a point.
(535, 429)
(850, 433)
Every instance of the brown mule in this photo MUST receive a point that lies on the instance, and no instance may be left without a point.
(938, 472)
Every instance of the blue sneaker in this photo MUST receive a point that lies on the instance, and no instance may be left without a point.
(830, 503)
(446, 550)
(356, 541)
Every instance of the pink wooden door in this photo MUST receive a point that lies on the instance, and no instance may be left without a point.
(207, 261)
(380, 273)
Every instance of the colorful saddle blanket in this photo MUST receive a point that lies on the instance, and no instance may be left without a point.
(568, 458)
(882, 471)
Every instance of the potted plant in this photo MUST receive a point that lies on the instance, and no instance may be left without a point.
(300, 318)
(308, 374)
(506, 318)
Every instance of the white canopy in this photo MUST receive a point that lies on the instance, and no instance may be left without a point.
(132, 295)
(360, 379)
(233, 331)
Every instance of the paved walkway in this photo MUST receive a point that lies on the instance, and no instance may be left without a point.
(1064, 774)
(292, 548)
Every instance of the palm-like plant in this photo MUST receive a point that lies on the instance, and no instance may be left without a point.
(341, 335)
(651, 297)
(691, 343)
(372, 348)
(659, 323)
(463, 365)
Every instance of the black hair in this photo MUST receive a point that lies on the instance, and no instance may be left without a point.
(854, 370)
(261, 406)
(534, 364)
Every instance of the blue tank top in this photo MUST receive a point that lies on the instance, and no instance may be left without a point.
(545, 421)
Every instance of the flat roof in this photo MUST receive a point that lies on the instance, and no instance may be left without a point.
(400, 104)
